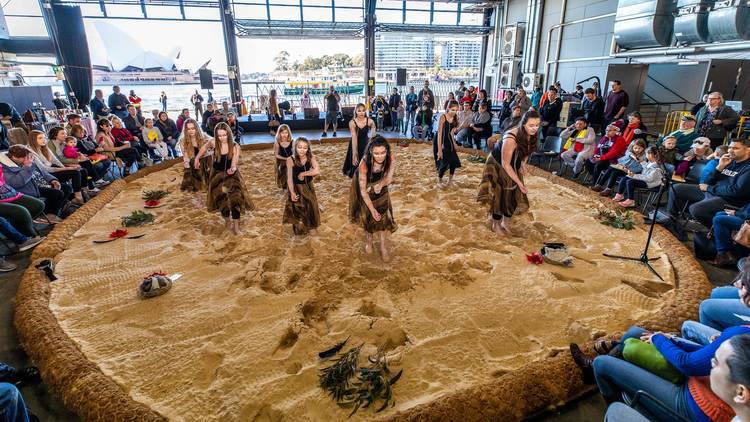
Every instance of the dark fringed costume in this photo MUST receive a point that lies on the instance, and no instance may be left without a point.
(281, 166)
(227, 193)
(498, 190)
(304, 214)
(360, 214)
(196, 180)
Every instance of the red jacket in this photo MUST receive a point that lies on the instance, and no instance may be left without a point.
(616, 150)
(121, 135)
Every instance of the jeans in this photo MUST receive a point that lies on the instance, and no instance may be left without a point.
(575, 159)
(723, 226)
(628, 185)
(70, 175)
(12, 406)
(703, 205)
(7, 230)
(410, 118)
(54, 199)
(596, 169)
(21, 212)
(724, 309)
(610, 176)
(620, 412)
(463, 136)
(615, 376)
(424, 133)
(698, 333)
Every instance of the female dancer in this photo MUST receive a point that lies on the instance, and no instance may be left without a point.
(444, 146)
(502, 187)
(282, 149)
(360, 127)
(192, 139)
(226, 189)
(369, 202)
(301, 209)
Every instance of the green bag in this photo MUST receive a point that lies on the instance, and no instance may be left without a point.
(648, 357)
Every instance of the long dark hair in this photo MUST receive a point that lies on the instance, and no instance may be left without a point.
(309, 154)
(217, 141)
(377, 141)
(526, 143)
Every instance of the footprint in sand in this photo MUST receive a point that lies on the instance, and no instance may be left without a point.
(209, 362)
(563, 277)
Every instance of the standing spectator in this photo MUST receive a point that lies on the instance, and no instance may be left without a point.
(616, 103)
(400, 114)
(118, 102)
(98, 107)
(512, 120)
(274, 113)
(593, 109)
(136, 101)
(393, 102)
(168, 129)
(696, 108)
(716, 120)
(536, 97)
(197, 100)
(597, 89)
(210, 97)
(60, 103)
(505, 108)
(181, 119)
(430, 96)
(522, 101)
(332, 100)
(305, 101)
(550, 111)
(411, 108)
(163, 101)
(235, 126)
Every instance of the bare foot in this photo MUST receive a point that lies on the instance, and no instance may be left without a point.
(313, 232)
(228, 223)
(498, 229)
(368, 243)
(385, 254)
(505, 226)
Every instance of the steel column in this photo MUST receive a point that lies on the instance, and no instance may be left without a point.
(230, 48)
(485, 45)
(369, 31)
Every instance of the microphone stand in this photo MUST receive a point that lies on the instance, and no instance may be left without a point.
(644, 259)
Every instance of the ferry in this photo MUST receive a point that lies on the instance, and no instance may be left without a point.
(322, 87)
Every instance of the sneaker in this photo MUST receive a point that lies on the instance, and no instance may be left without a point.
(324, 135)
(334, 134)
(6, 266)
(101, 183)
(605, 192)
(54, 219)
(30, 243)
(94, 190)
(619, 197)
(628, 203)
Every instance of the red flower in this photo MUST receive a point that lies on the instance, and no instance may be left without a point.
(535, 258)
(152, 203)
(161, 273)
(118, 234)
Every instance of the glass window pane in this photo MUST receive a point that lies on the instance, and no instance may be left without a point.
(249, 12)
(390, 4)
(471, 18)
(446, 6)
(285, 13)
(91, 10)
(316, 2)
(319, 14)
(22, 8)
(201, 13)
(444, 18)
(417, 17)
(285, 2)
(125, 11)
(21, 27)
(389, 16)
(348, 15)
(163, 12)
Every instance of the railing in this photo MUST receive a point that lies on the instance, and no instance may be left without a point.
(684, 100)
(672, 122)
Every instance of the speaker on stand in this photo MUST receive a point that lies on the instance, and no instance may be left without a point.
(207, 79)
(400, 76)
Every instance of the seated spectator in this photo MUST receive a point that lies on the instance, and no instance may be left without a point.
(578, 93)
(620, 412)
(580, 142)
(154, 139)
(650, 177)
(513, 120)
(118, 102)
(133, 121)
(4, 138)
(98, 108)
(135, 100)
(545, 95)
(70, 150)
(89, 173)
(713, 161)
(18, 208)
(481, 125)
(7, 110)
(536, 97)
(550, 111)
(716, 120)
(700, 151)
(685, 135)
(88, 147)
(452, 97)
(12, 405)
(169, 131)
(462, 131)
(23, 175)
(48, 162)
(632, 161)
(482, 97)
(72, 119)
(181, 120)
(235, 126)
(106, 141)
(593, 109)
(60, 102)
(608, 150)
(505, 108)
(424, 120)
(635, 129)
(730, 375)
(22, 242)
(32, 121)
(214, 120)
(206, 116)
(729, 184)
(727, 306)
(669, 153)
(123, 136)
(724, 224)
(521, 100)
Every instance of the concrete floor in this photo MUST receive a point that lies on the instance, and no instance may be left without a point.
(40, 400)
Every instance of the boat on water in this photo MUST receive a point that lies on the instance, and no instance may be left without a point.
(321, 87)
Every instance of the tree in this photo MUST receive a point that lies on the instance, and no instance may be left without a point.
(282, 60)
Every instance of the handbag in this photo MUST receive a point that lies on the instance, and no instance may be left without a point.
(648, 357)
(742, 237)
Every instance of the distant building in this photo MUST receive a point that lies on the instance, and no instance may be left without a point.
(460, 54)
(412, 53)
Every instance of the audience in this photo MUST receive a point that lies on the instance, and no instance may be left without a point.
(580, 142)
(10, 112)
(715, 120)
(169, 132)
(521, 100)
(685, 135)
(98, 108)
(632, 162)
(593, 109)
(650, 177)
(82, 164)
(698, 152)
(724, 224)
(23, 175)
(106, 141)
(465, 118)
(608, 150)
(616, 103)
(635, 129)
(235, 126)
(155, 140)
(550, 111)
(512, 120)
(481, 125)
(181, 119)
(48, 162)
(118, 102)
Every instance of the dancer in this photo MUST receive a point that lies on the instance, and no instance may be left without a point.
(369, 201)
(502, 187)
(192, 139)
(301, 209)
(444, 146)
(226, 189)
(282, 149)
(360, 127)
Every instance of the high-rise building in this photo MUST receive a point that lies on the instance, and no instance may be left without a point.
(460, 54)
(397, 50)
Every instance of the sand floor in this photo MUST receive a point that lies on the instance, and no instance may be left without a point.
(457, 306)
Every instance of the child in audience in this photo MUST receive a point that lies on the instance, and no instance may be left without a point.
(70, 150)
(154, 139)
(669, 152)
(630, 162)
(400, 113)
(650, 177)
(700, 151)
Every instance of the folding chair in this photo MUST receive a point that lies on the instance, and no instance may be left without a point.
(550, 148)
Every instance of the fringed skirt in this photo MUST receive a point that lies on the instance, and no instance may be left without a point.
(196, 180)
(360, 214)
(280, 173)
(500, 192)
(303, 215)
(226, 192)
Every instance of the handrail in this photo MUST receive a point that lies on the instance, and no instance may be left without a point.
(668, 89)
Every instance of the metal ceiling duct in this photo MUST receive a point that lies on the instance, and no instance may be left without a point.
(691, 21)
(642, 24)
(729, 20)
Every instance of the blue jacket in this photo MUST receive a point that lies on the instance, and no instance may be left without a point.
(21, 178)
(633, 165)
(411, 101)
(97, 106)
(732, 183)
(694, 360)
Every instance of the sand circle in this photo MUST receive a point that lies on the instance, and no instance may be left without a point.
(237, 336)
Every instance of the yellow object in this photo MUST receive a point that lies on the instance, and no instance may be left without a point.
(153, 137)
(244, 108)
(672, 122)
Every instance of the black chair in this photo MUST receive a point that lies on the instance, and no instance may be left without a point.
(652, 193)
(550, 149)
